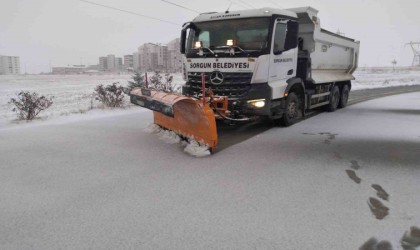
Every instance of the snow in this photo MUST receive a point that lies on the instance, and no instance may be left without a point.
(72, 93)
(169, 137)
(103, 183)
(370, 78)
(191, 146)
(152, 128)
(196, 149)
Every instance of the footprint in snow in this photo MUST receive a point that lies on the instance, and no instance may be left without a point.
(324, 133)
(380, 192)
(354, 165)
(373, 244)
(411, 239)
(352, 175)
(308, 134)
(338, 155)
(332, 136)
(378, 209)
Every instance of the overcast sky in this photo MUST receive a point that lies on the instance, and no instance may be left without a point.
(65, 32)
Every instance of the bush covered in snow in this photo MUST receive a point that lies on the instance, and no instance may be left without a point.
(111, 95)
(163, 83)
(156, 81)
(29, 105)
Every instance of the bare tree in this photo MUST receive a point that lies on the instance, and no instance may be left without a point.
(29, 105)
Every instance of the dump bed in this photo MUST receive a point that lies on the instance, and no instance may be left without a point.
(334, 57)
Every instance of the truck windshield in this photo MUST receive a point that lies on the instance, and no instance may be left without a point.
(249, 34)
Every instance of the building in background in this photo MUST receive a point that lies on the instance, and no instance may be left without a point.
(110, 63)
(153, 57)
(103, 63)
(119, 64)
(136, 62)
(128, 62)
(148, 57)
(69, 70)
(174, 56)
(9, 65)
(160, 57)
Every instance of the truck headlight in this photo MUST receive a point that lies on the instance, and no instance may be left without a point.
(259, 103)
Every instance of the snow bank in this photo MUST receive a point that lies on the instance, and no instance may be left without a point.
(152, 129)
(192, 147)
(169, 137)
(196, 149)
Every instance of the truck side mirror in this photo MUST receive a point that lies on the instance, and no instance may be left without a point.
(182, 40)
(184, 37)
(291, 36)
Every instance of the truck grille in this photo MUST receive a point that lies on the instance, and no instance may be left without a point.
(233, 85)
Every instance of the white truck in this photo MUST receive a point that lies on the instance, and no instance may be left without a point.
(241, 65)
(268, 62)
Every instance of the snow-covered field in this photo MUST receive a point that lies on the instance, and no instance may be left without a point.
(73, 93)
(379, 78)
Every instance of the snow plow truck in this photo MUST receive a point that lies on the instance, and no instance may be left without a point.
(244, 65)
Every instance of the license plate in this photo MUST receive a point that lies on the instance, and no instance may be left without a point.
(146, 92)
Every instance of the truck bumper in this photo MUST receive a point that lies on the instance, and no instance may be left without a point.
(246, 104)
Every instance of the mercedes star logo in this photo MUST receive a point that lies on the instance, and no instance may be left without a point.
(216, 77)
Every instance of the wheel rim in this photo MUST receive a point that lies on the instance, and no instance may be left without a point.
(292, 109)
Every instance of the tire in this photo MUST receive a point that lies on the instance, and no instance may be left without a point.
(344, 96)
(334, 99)
(293, 110)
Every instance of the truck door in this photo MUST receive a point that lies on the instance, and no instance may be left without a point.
(283, 60)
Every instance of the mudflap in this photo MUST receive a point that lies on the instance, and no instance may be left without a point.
(185, 116)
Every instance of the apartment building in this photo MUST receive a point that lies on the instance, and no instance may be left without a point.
(103, 63)
(148, 57)
(69, 70)
(9, 65)
(128, 62)
(136, 61)
(110, 63)
(160, 57)
(174, 56)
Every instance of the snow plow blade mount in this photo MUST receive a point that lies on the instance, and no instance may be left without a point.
(185, 116)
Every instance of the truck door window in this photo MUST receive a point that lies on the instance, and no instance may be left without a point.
(279, 37)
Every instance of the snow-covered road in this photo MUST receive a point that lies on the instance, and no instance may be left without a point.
(103, 183)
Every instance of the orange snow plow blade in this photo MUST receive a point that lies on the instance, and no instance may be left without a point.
(185, 116)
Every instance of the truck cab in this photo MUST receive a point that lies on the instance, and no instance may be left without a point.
(268, 62)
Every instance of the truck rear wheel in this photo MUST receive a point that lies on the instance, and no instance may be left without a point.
(344, 96)
(334, 99)
(293, 110)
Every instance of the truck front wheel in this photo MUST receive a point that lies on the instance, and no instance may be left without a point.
(293, 110)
